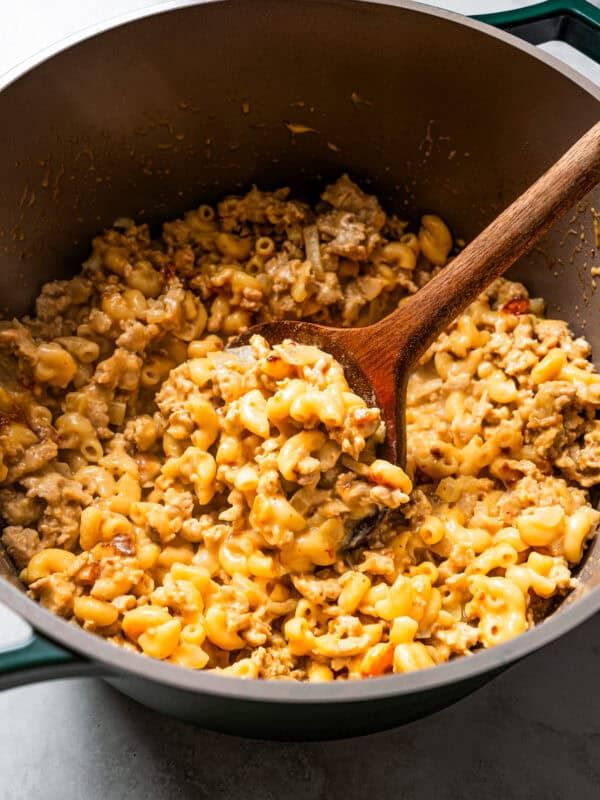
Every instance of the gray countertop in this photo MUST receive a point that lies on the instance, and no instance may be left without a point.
(532, 733)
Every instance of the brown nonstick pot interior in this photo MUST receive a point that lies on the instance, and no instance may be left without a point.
(431, 113)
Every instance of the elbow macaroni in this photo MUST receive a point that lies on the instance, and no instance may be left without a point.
(189, 503)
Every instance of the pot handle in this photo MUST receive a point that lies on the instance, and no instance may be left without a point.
(38, 659)
(575, 22)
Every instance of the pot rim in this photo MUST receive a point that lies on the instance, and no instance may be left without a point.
(169, 6)
(272, 691)
(129, 664)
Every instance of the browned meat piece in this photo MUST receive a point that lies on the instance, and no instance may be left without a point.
(18, 338)
(276, 663)
(64, 499)
(35, 457)
(555, 421)
(176, 391)
(345, 195)
(59, 526)
(121, 370)
(261, 208)
(144, 431)
(55, 487)
(581, 462)
(94, 405)
(378, 562)
(56, 297)
(20, 543)
(316, 589)
(349, 237)
(56, 593)
(137, 336)
(18, 509)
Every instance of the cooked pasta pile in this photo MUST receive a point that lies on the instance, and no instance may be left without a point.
(189, 503)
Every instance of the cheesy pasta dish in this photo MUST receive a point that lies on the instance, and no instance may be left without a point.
(191, 503)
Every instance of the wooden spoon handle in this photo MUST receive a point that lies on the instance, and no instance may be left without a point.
(410, 329)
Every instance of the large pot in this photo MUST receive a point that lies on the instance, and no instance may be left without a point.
(430, 111)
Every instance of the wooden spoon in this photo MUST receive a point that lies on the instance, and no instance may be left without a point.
(377, 359)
